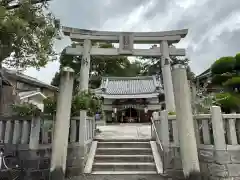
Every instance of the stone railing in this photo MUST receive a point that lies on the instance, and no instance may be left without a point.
(217, 138)
(32, 138)
(23, 130)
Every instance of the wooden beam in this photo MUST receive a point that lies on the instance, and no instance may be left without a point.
(77, 51)
(136, 39)
(68, 30)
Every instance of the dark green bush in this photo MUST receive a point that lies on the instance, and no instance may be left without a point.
(234, 82)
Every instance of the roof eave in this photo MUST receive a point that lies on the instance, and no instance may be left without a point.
(33, 94)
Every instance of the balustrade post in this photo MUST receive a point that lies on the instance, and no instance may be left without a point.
(231, 131)
(82, 132)
(155, 118)
(35, 132)
(164, 130)
(73, 130)
(16, 132)
(206, 131)
(8, 132)
(175, 132)
(25, 132)
(1, 131)
(218, 128)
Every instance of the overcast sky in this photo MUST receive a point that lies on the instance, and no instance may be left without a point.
(214, 25)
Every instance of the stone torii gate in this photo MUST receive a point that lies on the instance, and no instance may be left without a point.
(126, 42)
(176, 89)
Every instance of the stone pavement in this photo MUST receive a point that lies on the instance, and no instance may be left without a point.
(124, 131)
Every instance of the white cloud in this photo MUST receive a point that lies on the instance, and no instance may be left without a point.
(214, 25)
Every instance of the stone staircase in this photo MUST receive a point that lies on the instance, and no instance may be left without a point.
(124, 157)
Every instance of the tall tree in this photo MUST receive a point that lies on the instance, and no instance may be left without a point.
(27, 33)
(225, 74)
(100, 66)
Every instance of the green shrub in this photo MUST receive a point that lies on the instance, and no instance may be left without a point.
(25, 109)
(234, 82)
(86, 100)
(219, 79)
(237, 66)
(230, 101)
(171, 113)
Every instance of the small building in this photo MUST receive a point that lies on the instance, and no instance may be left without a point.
(21, 88)
(131, 99)
(205, 80)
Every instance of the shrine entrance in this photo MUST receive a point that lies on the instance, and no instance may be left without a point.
(131, 115)
(88, 45)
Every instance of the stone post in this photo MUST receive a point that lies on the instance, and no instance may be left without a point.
(61, 130)
(82, 136)
(8, 132)
(164, 131)
(218, 128)
(35, 132)
(155, 118)
(1, 131)
(16, 132)
(25, 132)
(167, 77)
(73, 131)
(188, 145)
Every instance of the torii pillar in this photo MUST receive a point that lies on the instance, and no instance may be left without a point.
(167, 76)
(83, 86)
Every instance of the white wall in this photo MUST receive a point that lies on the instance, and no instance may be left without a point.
(36, 101)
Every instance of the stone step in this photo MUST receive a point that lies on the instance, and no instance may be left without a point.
(124, 172)
(120, 144)
(122, 140)
(121, 175)
(133, 166)
(124, 158)
(123, 151)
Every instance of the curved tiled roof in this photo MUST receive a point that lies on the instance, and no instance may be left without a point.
(131, 85)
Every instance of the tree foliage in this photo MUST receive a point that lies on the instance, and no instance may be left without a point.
(27, 34)
(226, 74)
(25, 109)
(152, 65)
(85, 100)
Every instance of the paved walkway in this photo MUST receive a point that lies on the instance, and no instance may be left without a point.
(124, 131)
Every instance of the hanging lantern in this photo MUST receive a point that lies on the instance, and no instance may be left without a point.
(145, 109)
(115, 110)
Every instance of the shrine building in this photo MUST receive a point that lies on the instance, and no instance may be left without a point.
(131, 99)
